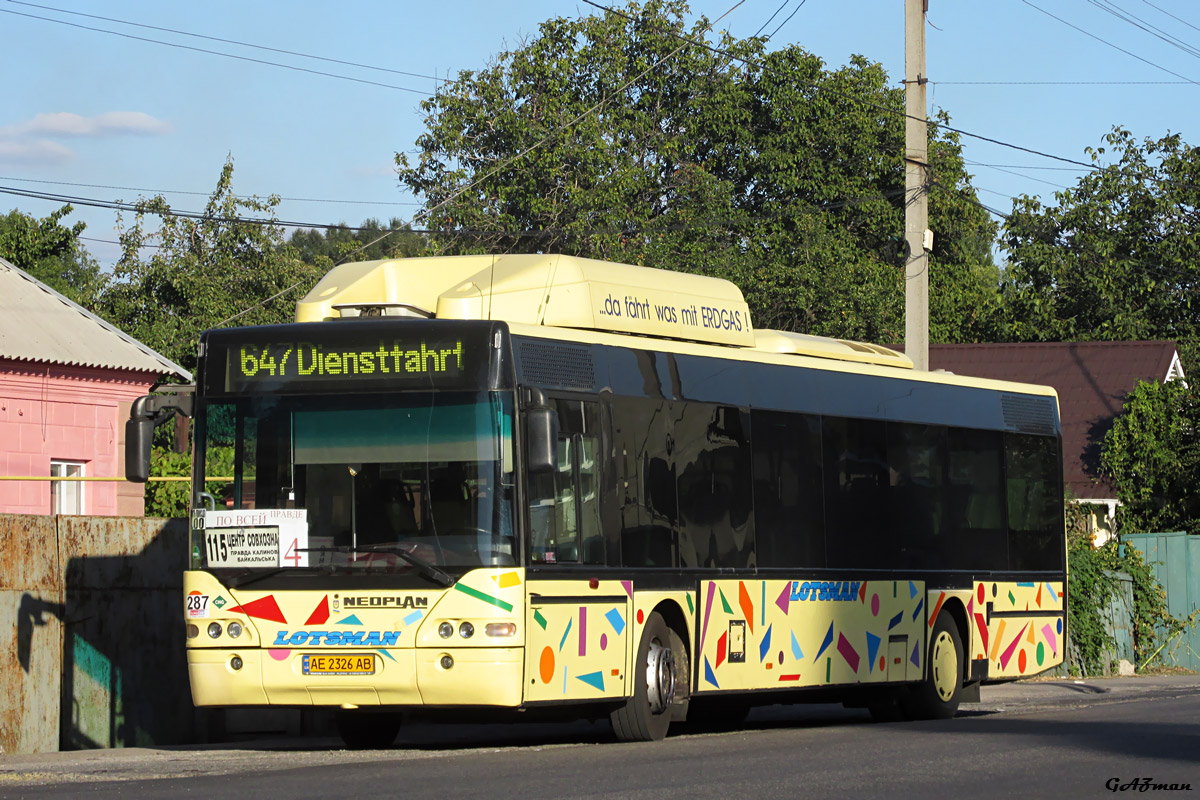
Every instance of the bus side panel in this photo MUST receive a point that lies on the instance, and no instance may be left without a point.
(577, 640)
(1017, 627)
(786, 634)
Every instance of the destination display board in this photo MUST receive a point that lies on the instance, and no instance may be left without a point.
(341, 356)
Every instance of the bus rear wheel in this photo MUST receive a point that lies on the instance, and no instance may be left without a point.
(367, 730)
(938, 696)
(646, 716)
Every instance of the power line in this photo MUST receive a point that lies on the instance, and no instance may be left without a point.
(1145, 26)
(1060, 83)
(1108, 43)
(853, 98)
(215, 52)
(232, 41)
(207, 194)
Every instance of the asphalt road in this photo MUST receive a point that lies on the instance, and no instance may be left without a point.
(1049, 739)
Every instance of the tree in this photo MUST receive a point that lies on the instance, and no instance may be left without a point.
(369, 242)
(51, 252)
(1152, 457)
(192, 274)
(1116, 258)
(612, 137)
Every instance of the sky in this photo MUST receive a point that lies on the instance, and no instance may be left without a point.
(92, 114)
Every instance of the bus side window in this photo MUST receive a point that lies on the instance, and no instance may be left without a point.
(564, 508)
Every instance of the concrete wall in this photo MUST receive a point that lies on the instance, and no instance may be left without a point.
(96, 657)
(69, 414)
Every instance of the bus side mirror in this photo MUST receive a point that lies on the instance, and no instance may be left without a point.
(541, 435)
(148, 412)
(139, 434)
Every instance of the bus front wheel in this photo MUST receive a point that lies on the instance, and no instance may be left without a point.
(938, 696)
(646, 715)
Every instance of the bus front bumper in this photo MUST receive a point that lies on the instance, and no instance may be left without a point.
(463, 676)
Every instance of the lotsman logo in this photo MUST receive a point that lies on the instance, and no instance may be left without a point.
(337, 638)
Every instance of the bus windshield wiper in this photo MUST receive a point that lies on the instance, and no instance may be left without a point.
(269, 573)
(431, 571)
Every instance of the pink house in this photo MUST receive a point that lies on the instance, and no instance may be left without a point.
(67, 379)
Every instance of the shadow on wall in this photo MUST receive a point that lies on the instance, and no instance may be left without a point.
(99, 651)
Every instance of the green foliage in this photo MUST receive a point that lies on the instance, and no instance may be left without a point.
(1115, 259)
(51, 252)
(1089, 589)
(191, 274)
(596, 138)
(1091, 583)
(1152, 457)
(172, 498)
(370, 242)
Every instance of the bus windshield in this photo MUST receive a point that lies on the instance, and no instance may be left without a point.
(377, 483)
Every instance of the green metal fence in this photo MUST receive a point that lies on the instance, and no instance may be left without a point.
(1175, 559)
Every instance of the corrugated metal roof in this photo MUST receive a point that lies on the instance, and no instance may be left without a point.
(39, 324)
(1091, 378)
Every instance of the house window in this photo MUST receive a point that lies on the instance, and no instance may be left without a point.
(66, 497)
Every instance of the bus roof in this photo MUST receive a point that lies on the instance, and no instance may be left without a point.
(566, 292)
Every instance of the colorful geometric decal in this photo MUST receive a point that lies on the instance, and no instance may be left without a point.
(386, 653)
(563, 640)
(320, 614)
(784, 598)
(546, 665)
(507, 579)
(1034, 610)
(745, 604)
(583, 630)
(628, 587)
(872, 648)
(262, 608)
(848, 652)
(413, 616)
(350, 620)
(766, 644)
(280, 655)
(616, 620)
(937, 607)
(797, 623)
(594, 679)
(708, 674)
(487, 598)
(828, 640)
(539, 619)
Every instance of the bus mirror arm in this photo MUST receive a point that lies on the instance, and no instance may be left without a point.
(541, 434)
(147, 413)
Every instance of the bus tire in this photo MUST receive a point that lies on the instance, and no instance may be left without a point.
(938, 696)
(367, 730)
(646, 715)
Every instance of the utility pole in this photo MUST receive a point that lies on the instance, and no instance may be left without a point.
(917, 236)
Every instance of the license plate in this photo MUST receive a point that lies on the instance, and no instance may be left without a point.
(341, 664)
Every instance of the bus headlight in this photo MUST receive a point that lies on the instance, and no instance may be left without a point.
(466, 630)
(234, 630)
(192, 631)
(214, 629)
(446, 630)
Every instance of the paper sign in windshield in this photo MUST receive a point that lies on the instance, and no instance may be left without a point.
(256, 538)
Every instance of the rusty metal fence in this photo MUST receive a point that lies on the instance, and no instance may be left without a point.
(96, 657)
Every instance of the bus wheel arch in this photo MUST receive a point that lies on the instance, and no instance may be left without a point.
(676, 622)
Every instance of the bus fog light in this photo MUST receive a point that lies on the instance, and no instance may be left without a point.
(235, 663)
(214, 629)
(501, 629)
(192, 631)
(447, 661)
(446, 630)
(466, 630)
(234, 629)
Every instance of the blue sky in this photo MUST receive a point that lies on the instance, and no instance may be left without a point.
(85, 110)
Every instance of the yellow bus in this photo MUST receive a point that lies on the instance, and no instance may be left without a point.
(538, 482)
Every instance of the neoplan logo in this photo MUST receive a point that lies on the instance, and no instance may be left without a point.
(386, 602)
